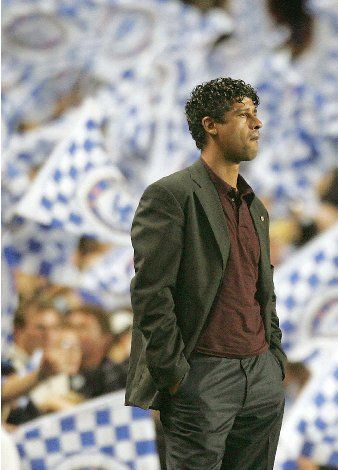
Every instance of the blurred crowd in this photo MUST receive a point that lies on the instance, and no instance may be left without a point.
(61, 357)
(67, 345)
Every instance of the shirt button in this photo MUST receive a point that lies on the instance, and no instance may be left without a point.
(262, 218)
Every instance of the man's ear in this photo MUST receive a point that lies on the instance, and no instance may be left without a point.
(209, 125)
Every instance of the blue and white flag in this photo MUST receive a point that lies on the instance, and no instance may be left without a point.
(45, 95)
(101, 433)
(36, 30)
(68, 50)
(9, 302)
(293, 154)
(307, 297)
(23, 157)
(109, 278)
(310, 428)
(80, 189)
(45, 48)
(132, 36)
(41, 251)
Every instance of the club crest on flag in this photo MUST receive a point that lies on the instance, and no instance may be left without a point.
(80, 189)
(106, 201)
(319, 327)
(35, 31)
(128, 31)
(322, 319)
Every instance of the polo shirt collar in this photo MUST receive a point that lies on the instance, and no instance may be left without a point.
(243, 188)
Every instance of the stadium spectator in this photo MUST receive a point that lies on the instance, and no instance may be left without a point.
(47, 388)
(62, 297)
(88, 251)
(55, 394)
(98, 374)
(296, 17)
(327, 189)
(296, 377)
(304, 463)
(27, 284)
(283, 235)
(36, 324)
(326, 214)
(15, 385)
(206, 5)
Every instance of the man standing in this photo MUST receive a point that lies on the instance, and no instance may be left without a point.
(206, 345)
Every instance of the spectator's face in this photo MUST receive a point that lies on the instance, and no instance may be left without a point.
(93, 340)
(68, 349)
(40, 330)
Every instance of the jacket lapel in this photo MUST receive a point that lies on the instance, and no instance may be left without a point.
(208, 197)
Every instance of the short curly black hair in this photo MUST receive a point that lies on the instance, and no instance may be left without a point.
(213, 99)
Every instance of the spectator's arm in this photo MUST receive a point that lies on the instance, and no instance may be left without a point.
(16, 385)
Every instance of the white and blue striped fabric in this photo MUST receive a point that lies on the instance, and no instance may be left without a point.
(310, 428)
(307, 297)
(102, 433)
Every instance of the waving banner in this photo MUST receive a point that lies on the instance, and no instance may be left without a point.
(311, 427)
(295, 155)
(101, 434)
(109, 278)
(307, 297)
(23, 157)
(9, 303)
(40, 250)
(80, 189)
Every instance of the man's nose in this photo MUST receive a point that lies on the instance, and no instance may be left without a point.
(257, 123)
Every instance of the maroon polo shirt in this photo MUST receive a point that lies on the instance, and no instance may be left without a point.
(234, 327)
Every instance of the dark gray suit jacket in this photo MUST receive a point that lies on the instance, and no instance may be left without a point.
(181, 246)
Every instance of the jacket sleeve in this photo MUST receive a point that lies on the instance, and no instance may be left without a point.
(276, 336)
(157, 238)
(276, 333)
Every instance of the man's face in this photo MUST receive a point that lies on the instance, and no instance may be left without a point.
(238, 137)
(40, 330)
(93, 340)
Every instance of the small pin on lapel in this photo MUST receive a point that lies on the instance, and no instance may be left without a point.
(262, 218)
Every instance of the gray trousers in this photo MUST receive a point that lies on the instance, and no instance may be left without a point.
(226, 414)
